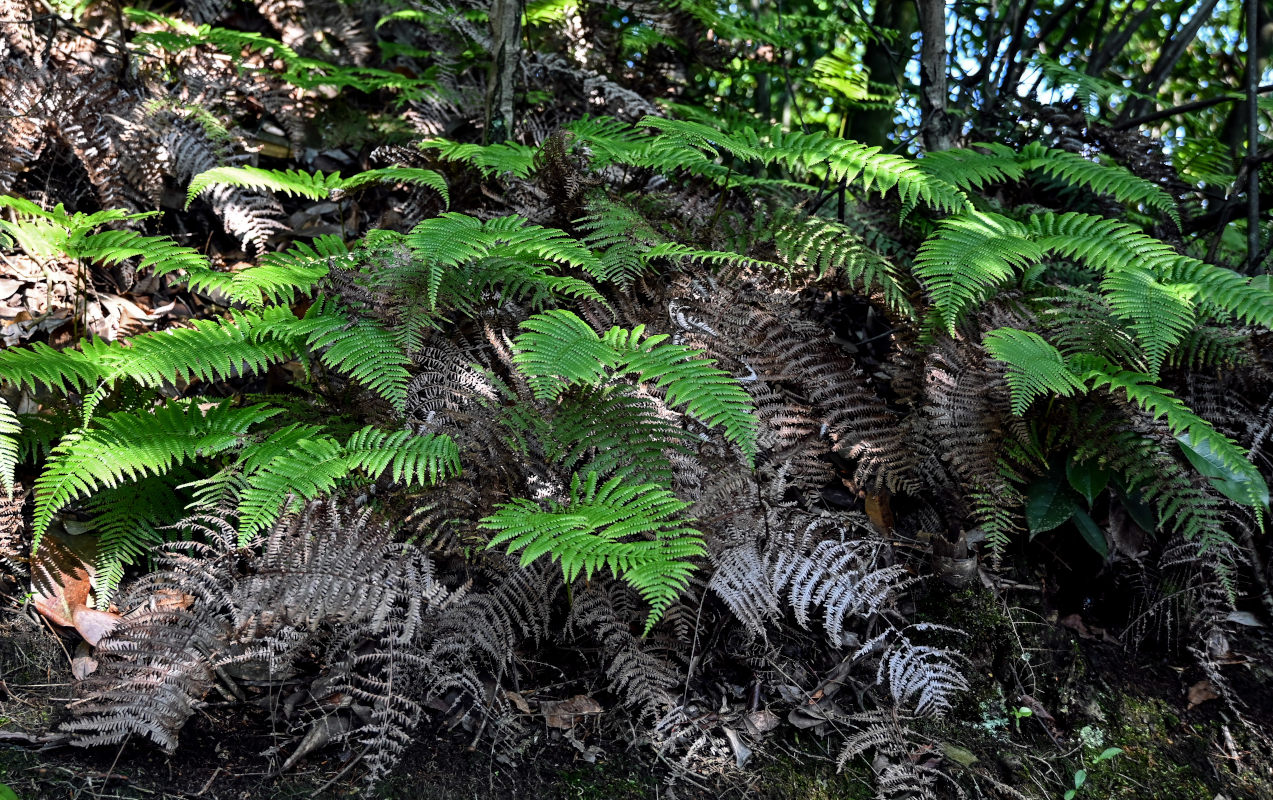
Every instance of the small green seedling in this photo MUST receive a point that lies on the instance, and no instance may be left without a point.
(1019, 714)
(1080, 777)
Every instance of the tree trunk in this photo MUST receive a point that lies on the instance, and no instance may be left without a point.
(506, 48)
(937, 128)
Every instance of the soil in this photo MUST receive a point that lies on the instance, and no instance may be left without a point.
(1097, 694)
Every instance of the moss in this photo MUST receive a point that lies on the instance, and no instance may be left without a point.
(1160, 758)
(789, 778)
(602, 781)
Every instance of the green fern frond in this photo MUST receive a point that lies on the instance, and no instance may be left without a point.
(974, 169)
(968, 256)
(445, 242)
(302, 462)
(10, 450)
(708, 394)
(211, 350)
(613, 431)
(717, 258)
(48, 234)
(609, 140)
(158, 253)
(128, 446)
(826, 248)
(1160, 314)
(360, 347)
(128, 520)
(1035, 367)
(558, 350)
(816, 154)
(1112, 179)
(316, 186)
(622, 236)
(423, 460)
(630, 529)
(490, 160)
(279, 277)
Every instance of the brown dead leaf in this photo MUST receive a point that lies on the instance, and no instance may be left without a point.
(1075, 623)
(564, 714)
(880, 512)
(517, 700)
(1201, 692)
(93, 624)
(759, 722)
(61, 581)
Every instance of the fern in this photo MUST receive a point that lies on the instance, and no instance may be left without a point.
(361, 348)
(45, 234)
(128, 520)
(1110, 179)
(211, 350)
(968, 257)
(1035, 367)
(128, 446)
(826, 248)
(506, 251)
(607, 526)
(10, 446)
(280, 277)
(505, 158)
(559, 350)
(304, 462)
(316, 186)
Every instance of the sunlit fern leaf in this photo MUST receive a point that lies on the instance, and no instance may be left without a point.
(608, 140)
(1160, 314)
(708, 394)
(211, 350)
(974, 169)
(713, 141)
(315, 186)
(557, 350)
(622, 236)
(279, 277)
(303, 462)
(675, 250)
(1108, 246)
(866, 166)
(490, 160)
(10, 428)
(967, 257)
(408, 458)
(411, 175)
(127, 520)
(1035, 367)
(630, 529)
(613, 431)
(130, 445)
(158, 253)
(361, 348)
(825, 247)
(1112, 179)
(451, 239)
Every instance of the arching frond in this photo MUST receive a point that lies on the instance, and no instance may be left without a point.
(630, 529)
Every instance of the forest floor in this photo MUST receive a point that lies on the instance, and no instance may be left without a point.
(1179, 740)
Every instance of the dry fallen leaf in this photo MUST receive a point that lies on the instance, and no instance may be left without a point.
(518, 701)
(564, 714)
(1201, 692)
